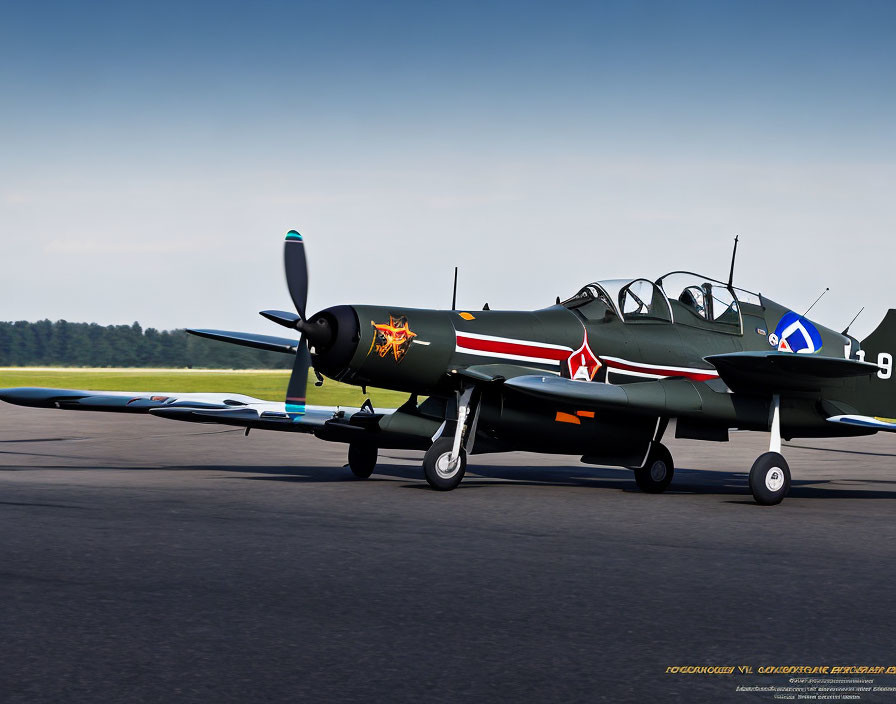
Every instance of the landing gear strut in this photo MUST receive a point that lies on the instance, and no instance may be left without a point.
(770, 474)
(445, 462)
(657, 472)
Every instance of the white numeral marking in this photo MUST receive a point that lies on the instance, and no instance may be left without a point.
(885, 362)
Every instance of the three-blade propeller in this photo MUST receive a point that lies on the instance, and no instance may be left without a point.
(296, 266)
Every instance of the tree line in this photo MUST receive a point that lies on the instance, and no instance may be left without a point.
(61, 343)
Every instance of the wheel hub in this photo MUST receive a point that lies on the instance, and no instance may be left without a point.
(445, 468)
(774, 479)
(658, 471)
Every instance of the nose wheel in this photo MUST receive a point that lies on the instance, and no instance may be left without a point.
(770, 479)
(770, 473)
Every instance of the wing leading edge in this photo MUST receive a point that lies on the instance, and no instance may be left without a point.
(227, 409)
(779, 372)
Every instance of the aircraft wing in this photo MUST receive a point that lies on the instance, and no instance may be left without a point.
(662, 397)
(228, 409)
(775, 372)
(708, 401)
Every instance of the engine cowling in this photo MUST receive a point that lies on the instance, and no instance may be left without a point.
(406, 349)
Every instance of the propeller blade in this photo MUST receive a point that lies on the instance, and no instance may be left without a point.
(282, 317)
(248, 339)
(298, 380)
(296, 270)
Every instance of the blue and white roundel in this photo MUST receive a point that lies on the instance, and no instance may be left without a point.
(796, 334)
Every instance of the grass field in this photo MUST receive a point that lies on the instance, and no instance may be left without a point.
(263, 384)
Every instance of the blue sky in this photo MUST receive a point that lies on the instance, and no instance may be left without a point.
(154, 155)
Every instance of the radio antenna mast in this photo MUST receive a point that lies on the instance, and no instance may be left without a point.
(816, 301)
(846, 330)
(454, 294)
(733, 256)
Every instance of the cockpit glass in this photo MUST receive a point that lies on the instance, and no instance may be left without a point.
(643, 300)
(703, 298)
(586, 295)
(694, 298)
(724, 306)
(679, 297)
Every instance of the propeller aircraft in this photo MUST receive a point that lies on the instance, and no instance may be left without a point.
(600, 374)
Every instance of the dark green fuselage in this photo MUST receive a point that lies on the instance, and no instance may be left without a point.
(433, 352)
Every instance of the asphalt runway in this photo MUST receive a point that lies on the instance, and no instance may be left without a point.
(145, 560)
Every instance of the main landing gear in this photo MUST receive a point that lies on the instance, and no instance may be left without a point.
(658, 470)
(445, 462)
(770, 474)
(442, 468)
(362, 459)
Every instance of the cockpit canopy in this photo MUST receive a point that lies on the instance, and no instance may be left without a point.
(680, 297)
(637, 299)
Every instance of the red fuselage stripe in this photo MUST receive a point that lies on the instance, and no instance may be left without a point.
(553, 355)
(472, 343)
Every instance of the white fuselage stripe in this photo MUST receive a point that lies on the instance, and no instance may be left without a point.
(661, 367)
(511, 340)
(627, 372)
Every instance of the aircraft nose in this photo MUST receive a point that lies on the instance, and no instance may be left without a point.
(334, 334)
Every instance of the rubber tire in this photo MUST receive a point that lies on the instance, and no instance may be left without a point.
(438, 481)
(759, 474)
(643, 478)
(362, 459)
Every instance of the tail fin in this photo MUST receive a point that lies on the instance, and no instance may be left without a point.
(876, 395)
(883, 339)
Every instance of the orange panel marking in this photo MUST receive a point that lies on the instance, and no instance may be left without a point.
(467, 316)
(567, 418)
(585, 414)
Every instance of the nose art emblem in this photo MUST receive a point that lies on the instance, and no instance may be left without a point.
(392, 338)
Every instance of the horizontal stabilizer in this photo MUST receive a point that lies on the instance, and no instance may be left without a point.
(779, 372)
(248, 339)
(888, 424)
